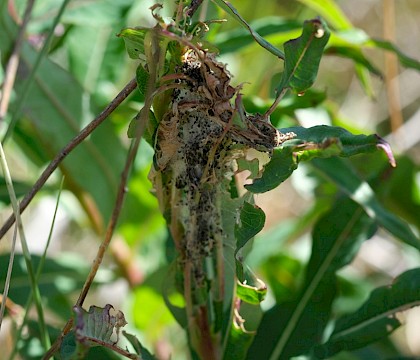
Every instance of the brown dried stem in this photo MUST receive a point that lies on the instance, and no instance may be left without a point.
(127, 90)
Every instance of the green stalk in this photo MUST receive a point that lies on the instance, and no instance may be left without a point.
(38, 274)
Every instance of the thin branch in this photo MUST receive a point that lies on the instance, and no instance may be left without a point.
(128, 89)
(13, 63)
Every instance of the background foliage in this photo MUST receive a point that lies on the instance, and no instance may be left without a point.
(87, 65)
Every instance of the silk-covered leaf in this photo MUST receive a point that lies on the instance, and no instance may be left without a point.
(303, 55)
(376, 318)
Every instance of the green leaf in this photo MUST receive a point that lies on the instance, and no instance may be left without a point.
(344, 176)
(356, 54)
(280, 167)
(238, 343)
(405, 60)
(149, 130)
(142, 77)
(376, 317)
(260, 40)
(337, 237)
(140, 350)
(134, 42)
(309, 143)
(323, 135)
(303, 55)
(252, 220)
(251, 294)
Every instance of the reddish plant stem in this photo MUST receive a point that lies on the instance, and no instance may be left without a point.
(127, 90)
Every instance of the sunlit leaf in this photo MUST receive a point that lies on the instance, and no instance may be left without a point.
(303, 55)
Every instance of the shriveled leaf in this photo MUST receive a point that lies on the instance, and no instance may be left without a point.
(228, 7)
(376, 318)
(344, 176)
(303, 55)
(97, 326)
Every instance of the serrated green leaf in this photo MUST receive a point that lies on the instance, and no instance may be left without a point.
(228, 7)
(345, 177)
(303, 55)
(376, 317)
(134, 42)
